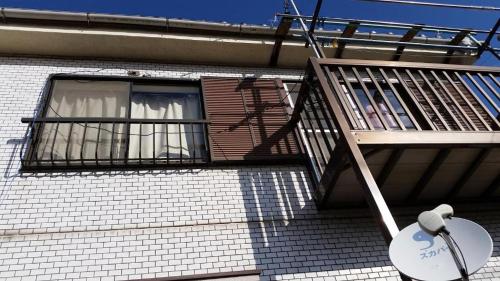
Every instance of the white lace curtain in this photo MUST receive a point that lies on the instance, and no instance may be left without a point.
(89, 141)
(172, 140)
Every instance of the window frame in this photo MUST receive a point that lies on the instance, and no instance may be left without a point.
(29, 148)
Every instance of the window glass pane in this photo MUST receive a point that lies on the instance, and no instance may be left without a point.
(172, 140)
(83, 98)
(67, 140)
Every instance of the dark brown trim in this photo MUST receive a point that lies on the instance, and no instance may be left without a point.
(400, 100)
(466, 100)
(386, 101)
(478, 100)
(370, 98)
(409, 35)
(351, 90)
(427, 100)
(454, 101)
(281, 33)
(348, 32)
(428, 174)
(459, 37)
(440, 99)
(205, 276)
(415, 102)
(482, 91)
(371, 192)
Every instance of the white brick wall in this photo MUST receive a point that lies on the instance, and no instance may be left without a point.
(119, 225)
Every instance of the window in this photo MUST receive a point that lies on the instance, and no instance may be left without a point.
(89, 122)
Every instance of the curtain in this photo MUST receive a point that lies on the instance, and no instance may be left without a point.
(174, 141)
(71, 98)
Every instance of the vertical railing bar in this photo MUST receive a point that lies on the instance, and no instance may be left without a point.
(309, 143)
(369, 96)
(349, 111)
(476, 98)
(308, 117)
(355, 98)
(140, 143)
(486, 96)
(426, 98)
(194, 142)
(168, 148)
(69, 141)
(83, 143)
(154, 143)
(492, 77)
(127, 142)
(111, 145)
(450, 96)
(325, 114)
(443, 102)
(381, 92)
(493, 90)
(416, 103)
(321, 129)
(46, 145)
(35, 141)
(53, 144)
(97, 144)
(466, 100)
(400, 100)
(205, 142)
(180, 142)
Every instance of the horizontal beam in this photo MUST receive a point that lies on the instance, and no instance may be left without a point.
(396, 43)
(423, 139)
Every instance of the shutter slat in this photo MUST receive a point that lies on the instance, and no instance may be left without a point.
(232, 120)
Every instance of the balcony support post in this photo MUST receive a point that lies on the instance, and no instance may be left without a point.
(374, 197)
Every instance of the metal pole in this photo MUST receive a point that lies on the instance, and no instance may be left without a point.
(486, 43)
(310, 38)
(440, 5)
(315, 19)
(375, 23)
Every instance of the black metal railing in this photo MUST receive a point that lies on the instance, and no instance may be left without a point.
(101, 142)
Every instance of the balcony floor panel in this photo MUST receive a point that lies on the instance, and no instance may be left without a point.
(401, 183)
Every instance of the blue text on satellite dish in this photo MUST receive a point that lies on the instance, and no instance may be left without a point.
(423, 236)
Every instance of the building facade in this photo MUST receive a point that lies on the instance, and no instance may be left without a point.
(222, 214)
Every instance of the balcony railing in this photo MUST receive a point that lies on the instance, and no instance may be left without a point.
(349, 110)
(103, 142)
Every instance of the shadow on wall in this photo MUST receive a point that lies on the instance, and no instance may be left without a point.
(289, 236)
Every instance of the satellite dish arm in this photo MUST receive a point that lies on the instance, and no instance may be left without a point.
(433, 223)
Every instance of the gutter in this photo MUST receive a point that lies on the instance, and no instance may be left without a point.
(59, 18)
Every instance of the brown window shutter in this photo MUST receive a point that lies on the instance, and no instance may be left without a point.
(248, 120)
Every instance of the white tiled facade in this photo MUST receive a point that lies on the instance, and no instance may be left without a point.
(120, 225)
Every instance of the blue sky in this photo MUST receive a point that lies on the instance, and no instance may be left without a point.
(262, 11)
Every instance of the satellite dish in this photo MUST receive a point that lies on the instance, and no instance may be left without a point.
(421, 256)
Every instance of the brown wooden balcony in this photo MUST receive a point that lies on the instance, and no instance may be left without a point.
(416, 132)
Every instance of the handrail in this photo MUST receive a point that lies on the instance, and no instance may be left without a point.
(401, 64)
(111, 120)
